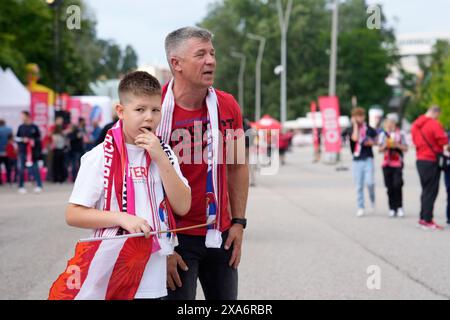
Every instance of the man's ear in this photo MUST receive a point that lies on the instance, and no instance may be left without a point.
(119, 110)
(175, 64)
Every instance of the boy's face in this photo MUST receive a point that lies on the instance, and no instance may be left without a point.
(138, 112)
(360, 119)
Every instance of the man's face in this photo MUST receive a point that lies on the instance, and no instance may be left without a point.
(25, 118)
(196, 62)
(138, 112)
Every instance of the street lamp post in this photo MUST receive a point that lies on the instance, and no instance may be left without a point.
(262, 43)
(333, 54)
(284, 24)
(241, 56)
(55, 5)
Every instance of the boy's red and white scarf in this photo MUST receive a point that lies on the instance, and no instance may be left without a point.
(361, 139)
(212, 196)
(120, 194)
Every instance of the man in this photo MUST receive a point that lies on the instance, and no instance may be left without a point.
(5, 132)
(429, 138)
(29, 142)
(195, 119)
(362, 138)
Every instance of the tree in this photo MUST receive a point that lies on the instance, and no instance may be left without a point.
(130, 58)
(364, 59)
(27, 36)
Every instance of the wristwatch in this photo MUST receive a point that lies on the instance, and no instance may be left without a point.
(241, 221)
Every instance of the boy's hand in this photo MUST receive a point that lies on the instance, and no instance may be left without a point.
(173, 278)
(134, 224)
(150, 142)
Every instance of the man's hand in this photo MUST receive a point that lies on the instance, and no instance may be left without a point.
(235, 236)
(173, 278)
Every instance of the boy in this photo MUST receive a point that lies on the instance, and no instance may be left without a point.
(393, 144)
(151, 177)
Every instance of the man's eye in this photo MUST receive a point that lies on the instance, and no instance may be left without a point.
(139, 110)
(156, 110)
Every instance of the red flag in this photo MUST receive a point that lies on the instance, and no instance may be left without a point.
(104, 270)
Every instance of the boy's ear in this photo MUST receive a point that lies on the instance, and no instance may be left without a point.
(119, 110)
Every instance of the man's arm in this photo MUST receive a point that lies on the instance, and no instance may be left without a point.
(238, 181)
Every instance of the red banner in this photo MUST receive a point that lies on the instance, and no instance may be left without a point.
(75, 110)
(39, 111)
(331, 131)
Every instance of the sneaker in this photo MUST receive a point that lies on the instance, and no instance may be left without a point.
(400, 213)
(432, 226)
(360, 212)
(391, 213)
(22, 190)
(421, 223)
(37, 190)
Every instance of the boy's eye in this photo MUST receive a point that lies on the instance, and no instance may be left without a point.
(156, 110)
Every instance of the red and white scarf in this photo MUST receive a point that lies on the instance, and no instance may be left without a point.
(120, 195)
(213, 234)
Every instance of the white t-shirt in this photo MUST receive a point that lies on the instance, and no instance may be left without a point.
(88, 191)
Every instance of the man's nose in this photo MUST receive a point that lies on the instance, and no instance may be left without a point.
(210, 59)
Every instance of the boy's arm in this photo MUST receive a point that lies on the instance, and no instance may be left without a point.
(89, 218)
(177, 192)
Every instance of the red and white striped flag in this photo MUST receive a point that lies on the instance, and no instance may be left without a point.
(104, 270)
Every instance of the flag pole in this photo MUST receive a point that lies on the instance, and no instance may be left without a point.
(137, 235)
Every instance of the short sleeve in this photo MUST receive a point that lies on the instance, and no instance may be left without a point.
(88, 187)
(174, 161)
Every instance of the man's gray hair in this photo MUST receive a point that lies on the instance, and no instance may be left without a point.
(176, 38)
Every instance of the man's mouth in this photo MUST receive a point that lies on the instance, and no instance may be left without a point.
(210, 73)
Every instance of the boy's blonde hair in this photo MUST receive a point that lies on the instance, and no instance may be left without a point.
(138, 83)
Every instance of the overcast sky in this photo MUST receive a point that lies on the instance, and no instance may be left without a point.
(145, 23)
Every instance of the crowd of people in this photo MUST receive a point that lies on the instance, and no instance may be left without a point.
(26, 152)
(432, 147)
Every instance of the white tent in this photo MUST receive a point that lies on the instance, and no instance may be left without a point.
(14, 98)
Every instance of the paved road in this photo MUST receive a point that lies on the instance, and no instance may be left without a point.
(303, 240)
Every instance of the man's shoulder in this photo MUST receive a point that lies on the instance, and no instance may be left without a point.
(225, 98)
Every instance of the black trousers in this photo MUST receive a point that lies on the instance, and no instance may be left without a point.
(393, 180)
(429, 174)
(219, 281)
(58, 164)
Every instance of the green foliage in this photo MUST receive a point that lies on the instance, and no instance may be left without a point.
(434, 86)
(27, 36)
(364, 55)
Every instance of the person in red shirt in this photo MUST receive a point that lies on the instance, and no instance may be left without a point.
(430, 139)
(192, 109)
(11, 154)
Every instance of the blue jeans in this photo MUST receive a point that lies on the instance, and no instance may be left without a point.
(447, 186)
(33, 170)
(363, 174)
